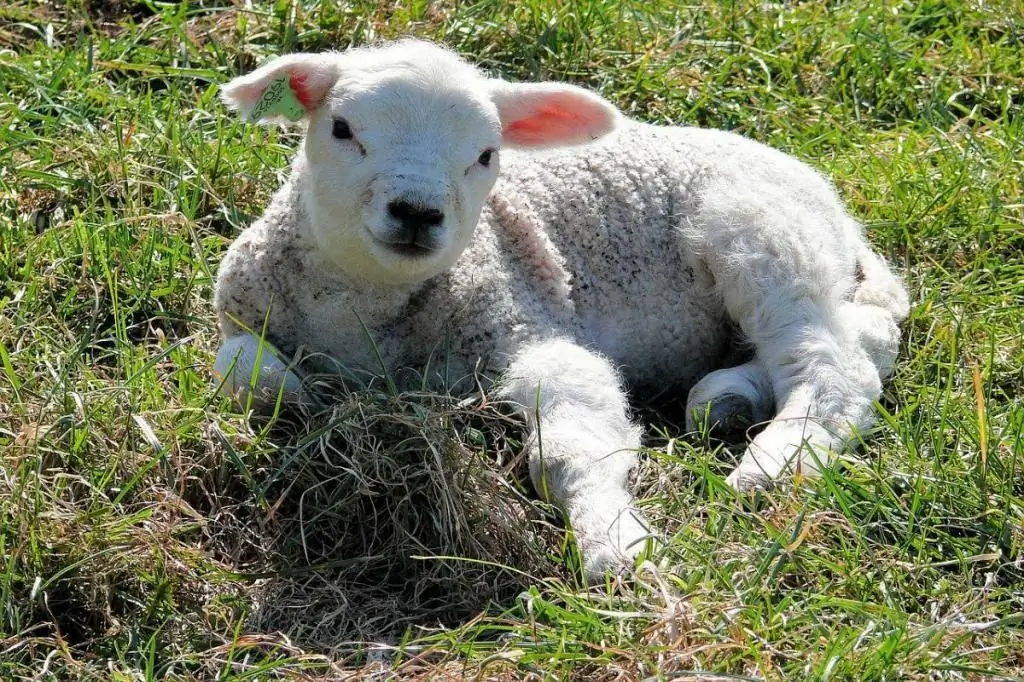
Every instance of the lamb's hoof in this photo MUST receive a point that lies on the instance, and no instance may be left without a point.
(604, 561)
(247, 366)
(614, 553)
(748, 481)
(727, 417)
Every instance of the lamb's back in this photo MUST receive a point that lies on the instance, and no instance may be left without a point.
(623, 217)
(616, 216)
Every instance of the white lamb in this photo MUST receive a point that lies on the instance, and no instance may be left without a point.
(607, 253)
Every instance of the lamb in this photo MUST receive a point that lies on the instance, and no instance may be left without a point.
(604, 255)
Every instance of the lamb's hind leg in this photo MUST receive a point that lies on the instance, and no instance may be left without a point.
(731, 400)
(825, 393)
(879, 305)
(786, 273)
(582, 445)
(827, 365)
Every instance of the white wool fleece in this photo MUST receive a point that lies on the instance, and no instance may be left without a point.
(605, 255)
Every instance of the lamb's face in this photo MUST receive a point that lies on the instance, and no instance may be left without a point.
(401, 147)
(399, 168)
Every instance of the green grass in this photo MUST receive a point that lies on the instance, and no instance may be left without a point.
(148, 533)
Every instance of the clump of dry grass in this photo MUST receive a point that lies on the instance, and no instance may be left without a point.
(387, 510)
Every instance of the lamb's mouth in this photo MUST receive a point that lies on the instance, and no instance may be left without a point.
(416, 248)
(408, 249)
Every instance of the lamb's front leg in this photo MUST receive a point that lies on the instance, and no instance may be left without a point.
(582, 446)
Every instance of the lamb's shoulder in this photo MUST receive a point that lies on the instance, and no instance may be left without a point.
(257, 278)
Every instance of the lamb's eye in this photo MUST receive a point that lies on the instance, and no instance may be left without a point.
(341, 129)
(485, 158)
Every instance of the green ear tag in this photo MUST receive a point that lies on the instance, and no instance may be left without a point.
(278, 100)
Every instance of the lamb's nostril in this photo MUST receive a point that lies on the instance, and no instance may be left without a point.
(415, 215)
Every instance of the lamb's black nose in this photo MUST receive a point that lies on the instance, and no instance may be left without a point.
(414, 216)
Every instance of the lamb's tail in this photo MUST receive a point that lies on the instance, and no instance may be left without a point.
(879, 287)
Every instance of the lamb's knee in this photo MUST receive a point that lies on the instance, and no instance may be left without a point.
(731, 400)
(248, 366)
(578, 412)
(557, 372)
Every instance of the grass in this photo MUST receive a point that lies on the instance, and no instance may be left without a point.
(148, 533)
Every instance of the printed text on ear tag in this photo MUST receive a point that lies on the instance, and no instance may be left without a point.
(278, 100)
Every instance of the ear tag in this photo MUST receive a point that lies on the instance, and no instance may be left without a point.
(278, 100)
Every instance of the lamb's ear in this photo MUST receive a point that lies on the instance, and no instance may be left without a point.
(551, 114)
(290, 87)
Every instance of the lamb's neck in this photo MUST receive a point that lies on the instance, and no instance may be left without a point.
(376, 305)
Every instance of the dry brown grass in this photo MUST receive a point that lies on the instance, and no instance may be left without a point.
(385, 511)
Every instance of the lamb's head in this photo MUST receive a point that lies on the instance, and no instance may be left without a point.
(402, 145)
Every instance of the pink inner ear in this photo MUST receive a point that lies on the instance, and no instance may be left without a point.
(560, 119)
(299, 87)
